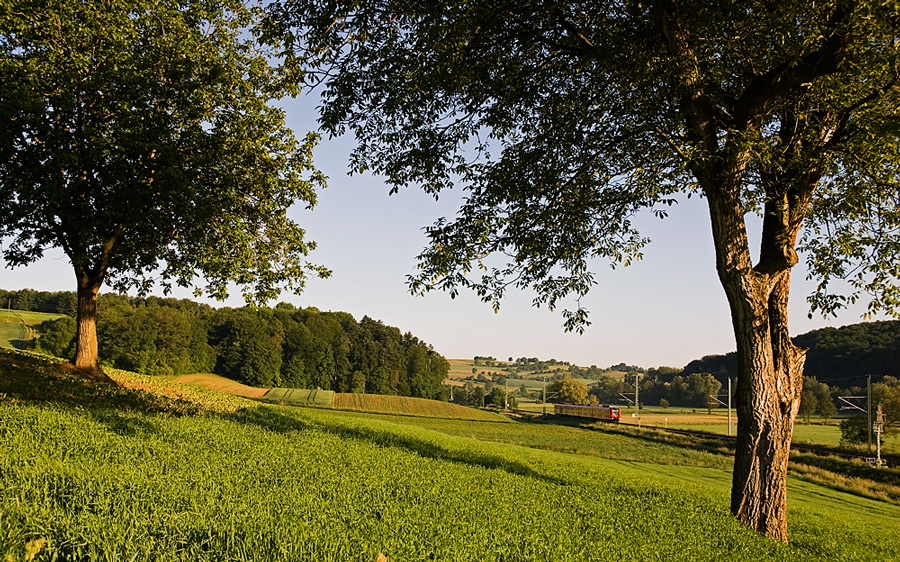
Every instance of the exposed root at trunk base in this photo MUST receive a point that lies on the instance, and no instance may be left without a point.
(92, 373)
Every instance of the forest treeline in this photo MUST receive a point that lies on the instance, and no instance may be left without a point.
(282, 346)
(842, 356)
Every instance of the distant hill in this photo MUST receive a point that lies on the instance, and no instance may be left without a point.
(838, 356)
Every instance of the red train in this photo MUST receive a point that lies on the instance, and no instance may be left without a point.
(603, 413)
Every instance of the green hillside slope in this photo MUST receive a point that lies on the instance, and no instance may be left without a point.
(83, 478)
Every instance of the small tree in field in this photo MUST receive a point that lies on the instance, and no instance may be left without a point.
(808, 404)
(137, 137)
(827, 409)
(568, 391)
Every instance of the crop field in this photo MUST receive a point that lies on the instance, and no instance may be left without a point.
(460, 369)
(301, 397)
(86, 478)
(19, 327)
(221, 384)
(376, 403)
(817, 432)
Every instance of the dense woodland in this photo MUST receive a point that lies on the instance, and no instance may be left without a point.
(282, 346)
(843, 356)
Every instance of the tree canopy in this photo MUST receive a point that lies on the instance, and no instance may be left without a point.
(568, 391)
(265, 347)
(563, 119)
(554, 115)
(843, 356)
(139, 138)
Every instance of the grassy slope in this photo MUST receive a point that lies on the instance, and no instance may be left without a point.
(274, 483)
(345, 401)
(17, 327)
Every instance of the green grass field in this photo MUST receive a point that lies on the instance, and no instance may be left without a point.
(420, 407)
(19, 327)
(817, 432)
(109, 473)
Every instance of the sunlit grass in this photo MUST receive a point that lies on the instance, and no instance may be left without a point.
(152, 480)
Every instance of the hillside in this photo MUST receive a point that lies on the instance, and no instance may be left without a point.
(19, 328)
(840, 356)
(98, 472)
(372, 403)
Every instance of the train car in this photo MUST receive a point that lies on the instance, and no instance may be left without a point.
(603, 413)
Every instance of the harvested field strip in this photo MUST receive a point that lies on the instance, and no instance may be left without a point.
(19, 327)
(221, 384)
(301, 397)
(382, 404)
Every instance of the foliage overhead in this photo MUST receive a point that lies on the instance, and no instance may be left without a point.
(139, 138)
(563, 119)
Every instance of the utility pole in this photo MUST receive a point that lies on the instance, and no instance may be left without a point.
(544, 401)
(729, 406)
(637, 401)
(879, 427)
(869, 408)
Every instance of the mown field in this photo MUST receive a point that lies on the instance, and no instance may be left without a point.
(172, 473)
(817, 432)
(19, 327)
(220, 384)
(419, 407)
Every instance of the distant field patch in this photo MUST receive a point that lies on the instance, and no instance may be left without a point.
(460, 368)
(403, 405)
(301, 397)
(221, 384)
(19, 327)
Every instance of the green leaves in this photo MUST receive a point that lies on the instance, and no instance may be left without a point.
(561, 120)
(139, 137)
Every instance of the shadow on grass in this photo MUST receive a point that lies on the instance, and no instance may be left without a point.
(715, 446)
(396, 436)
(31, 378)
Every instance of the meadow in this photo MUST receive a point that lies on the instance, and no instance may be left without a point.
(410, 406)
(159, 471)
(18, 327)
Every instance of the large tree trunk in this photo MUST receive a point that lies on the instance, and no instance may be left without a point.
(87, 358)
(769, 384)
(770, 367)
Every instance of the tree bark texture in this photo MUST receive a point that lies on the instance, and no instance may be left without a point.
(770, 367)
(87, 359)
(770, 378)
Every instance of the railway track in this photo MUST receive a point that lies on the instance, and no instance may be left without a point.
(887, 460)
(890, 460)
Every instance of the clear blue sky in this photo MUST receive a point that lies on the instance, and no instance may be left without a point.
(665, 310)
